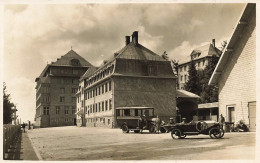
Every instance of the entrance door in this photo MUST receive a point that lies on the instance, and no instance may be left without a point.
(75, 122)
(231, 114)
(252, 115)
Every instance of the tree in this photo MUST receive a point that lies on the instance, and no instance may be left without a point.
(175, 65)
(7, 106)
(209, 93)
(192, 85)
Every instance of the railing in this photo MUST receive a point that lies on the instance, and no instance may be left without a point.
(9, 134)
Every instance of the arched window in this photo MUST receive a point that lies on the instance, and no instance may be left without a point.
(74, 62)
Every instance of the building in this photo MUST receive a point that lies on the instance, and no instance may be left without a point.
(201, 56)
(134, 77)
(235, 73)
(56, 88)
(187, 105)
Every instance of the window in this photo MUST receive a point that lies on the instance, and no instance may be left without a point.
(75, 72)
(203, 62)
(96, 91)
(66, 110)
(184, 68)
(109, 85)
(102, 105)
(74, 90)
(62, 99)
(106, 105)
(57, 109)
(108, 121)
(46, 110)
(185, 78)
(99, 107)
(181, 77)
(96, 107)
(198, 64)
(74, 62)
(62, 90)
(73, 109)
(102, 89)
(82, 103)
(127, 112)
(110, 104)
(99, 90)
(105, 87)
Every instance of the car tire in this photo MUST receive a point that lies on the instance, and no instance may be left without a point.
(215, 133)
(176, 134)
(125, 129)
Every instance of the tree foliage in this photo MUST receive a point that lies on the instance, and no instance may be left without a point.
(7, 106)
(198, 82)
(209, 93)
(175, 65)
(192, 85)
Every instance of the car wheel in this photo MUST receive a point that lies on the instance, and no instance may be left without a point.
(125, 129)
(136, 131)
(222, 132)
(152, 129)
(215, 133)
(176, 133)
(183, 136)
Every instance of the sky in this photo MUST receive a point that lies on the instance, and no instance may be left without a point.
(35, 35)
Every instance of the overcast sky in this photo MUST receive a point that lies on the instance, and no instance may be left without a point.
(37, 34)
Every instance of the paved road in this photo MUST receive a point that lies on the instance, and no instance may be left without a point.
(72, 143)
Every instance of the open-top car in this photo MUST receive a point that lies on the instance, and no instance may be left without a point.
(181, 130)
(136, 119)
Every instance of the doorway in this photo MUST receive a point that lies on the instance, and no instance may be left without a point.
(252, 116)
(231, 114)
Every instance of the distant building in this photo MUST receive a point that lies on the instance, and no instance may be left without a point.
(201, 57)
(56, 88)
(134, 77)
(235, 73)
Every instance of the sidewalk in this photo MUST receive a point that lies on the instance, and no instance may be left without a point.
(21, 149)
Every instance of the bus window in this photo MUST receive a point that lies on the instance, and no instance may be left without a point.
(127, 112)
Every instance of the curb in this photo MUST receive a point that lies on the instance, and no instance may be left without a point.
(35, 149)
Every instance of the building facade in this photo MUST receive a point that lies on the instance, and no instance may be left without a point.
(201, 57)
(134, 77)
(56, 88)
(235, 73)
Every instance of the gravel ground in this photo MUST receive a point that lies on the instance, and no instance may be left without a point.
(73, 143)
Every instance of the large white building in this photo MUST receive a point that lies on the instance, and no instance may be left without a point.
(201, 56)
(235, 73)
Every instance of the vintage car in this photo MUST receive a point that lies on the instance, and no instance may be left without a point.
(181, 130)
(136, 119)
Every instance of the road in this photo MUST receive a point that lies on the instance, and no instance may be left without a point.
(73, 143)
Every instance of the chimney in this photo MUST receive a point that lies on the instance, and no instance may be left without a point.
(127, 40)
(135, 37)
(213, 42)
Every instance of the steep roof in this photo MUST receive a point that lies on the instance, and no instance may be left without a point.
(90, 71)
(236, 34)
(130, 51)
(186, 94)
(138, 51)
(65, 60)
(204, 51)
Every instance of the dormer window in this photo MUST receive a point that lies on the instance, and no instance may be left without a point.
(74, 62)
